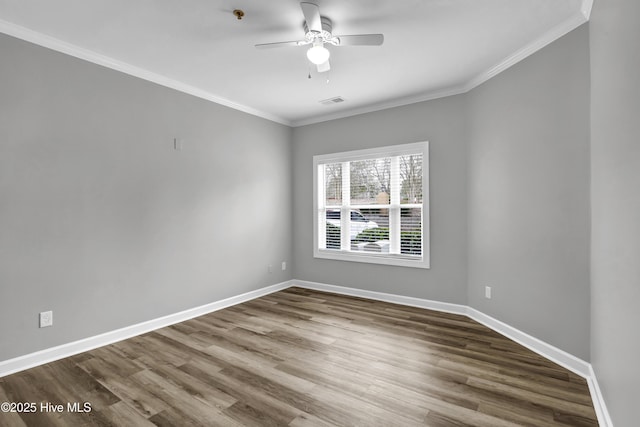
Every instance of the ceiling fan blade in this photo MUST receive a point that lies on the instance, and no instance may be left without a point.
(325, 66)
(311, 14)
(361, 40)
(281, 44)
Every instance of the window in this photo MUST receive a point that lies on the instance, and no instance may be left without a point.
(372, 205)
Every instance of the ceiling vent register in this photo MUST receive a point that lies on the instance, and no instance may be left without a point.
(331, 101)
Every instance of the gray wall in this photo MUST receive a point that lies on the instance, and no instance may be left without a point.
(615, 205)
(107, 225)
(442, 123)
(104, 223)
(509, 172)
(529, 194)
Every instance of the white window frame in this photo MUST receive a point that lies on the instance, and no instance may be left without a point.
(319, 208)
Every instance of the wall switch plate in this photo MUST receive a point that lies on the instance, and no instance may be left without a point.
(46, 319)
(270, 268)
(284, 265)
(487, 292)
(177, 144)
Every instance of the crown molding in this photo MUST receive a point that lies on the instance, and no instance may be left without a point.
(528, 50)
(70, 49)
(399, 102)
(542, 41)
(586, 7)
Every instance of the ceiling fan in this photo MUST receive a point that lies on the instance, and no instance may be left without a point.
(317, 30)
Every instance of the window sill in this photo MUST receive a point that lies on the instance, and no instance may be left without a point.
(370, 258)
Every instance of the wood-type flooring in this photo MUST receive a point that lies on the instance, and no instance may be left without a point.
(304, 358)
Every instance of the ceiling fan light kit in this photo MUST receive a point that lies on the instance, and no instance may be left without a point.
(317, 30)
(318, 54)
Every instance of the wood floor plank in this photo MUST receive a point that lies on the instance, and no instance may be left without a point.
(121, 414)
(244, 392)
(301, 357)
(21, 389)
(127, 389)
(193, 386)
(560, 389)
(193, 412)
(7, 418)
(308, 420)
(561, 406)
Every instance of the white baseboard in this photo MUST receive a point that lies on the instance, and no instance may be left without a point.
(548, 351)
(561, 357)
(381, 296)
(556, 355)
(552, 353)
(604, 419)
(31, 360)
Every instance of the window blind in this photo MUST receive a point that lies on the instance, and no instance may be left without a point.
(370, 204)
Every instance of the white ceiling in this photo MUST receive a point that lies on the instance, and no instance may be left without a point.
(432, 48)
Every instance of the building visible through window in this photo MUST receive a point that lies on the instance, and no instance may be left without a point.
(372, 205)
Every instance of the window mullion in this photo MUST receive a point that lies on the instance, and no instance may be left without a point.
(394, 209)
(345, 216)
(405, 211)
(321, 204)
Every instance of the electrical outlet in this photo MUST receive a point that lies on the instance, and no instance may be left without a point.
(46, 319)
(487, 292)
(284, 265)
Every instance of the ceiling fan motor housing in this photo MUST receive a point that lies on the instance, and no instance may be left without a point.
(325, 35)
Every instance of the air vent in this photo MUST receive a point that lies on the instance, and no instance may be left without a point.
(331, 101)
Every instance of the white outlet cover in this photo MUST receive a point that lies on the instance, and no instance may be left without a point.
(46, 319)
(487, 292)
